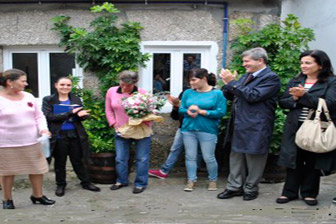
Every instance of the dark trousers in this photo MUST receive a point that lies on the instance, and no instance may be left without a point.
(305, 178)
(68, 144)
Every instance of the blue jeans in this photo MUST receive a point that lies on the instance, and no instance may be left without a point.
(143, 147)
(207, 142)
(175, 151)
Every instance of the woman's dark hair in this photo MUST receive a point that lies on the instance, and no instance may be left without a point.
(322, 59)
(63, 77)
(10, 74)
(201, 73)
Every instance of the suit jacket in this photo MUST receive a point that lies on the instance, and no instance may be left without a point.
(253, 112)
(55, 121)
(326, 90)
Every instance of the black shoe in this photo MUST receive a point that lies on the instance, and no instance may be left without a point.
(250, 196)
(117, 186)
(138, 190)
(42, 200)
(310, 202)
(334, 200)
(285, 199)
(8, 204)
(91, 187)
(60, 191)
(229, 194)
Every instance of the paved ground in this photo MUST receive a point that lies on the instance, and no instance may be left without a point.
(164, 201)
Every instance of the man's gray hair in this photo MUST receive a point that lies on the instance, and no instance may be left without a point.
(129, 77)
(256, 53)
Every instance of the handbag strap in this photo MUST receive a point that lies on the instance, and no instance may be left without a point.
(322, 105)
(325, 109)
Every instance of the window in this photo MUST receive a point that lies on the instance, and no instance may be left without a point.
(168, 67)
(42, 65)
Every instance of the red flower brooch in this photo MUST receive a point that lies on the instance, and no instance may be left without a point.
(30, 104)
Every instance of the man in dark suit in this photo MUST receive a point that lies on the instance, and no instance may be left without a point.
(254, 98)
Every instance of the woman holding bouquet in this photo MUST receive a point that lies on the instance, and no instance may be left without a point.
(117, 118)
(202, 107)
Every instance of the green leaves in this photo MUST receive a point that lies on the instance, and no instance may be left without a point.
(60, 19)
(284, 45)
(106, 50)
(106, 6)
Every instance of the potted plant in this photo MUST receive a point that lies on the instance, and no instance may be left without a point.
(105, 50)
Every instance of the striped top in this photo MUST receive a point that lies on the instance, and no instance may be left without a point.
(305, 110)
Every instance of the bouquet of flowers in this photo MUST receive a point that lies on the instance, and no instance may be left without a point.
(141, 108)
(140, 105)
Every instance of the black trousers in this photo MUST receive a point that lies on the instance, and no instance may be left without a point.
(305, 179)
(68, 144)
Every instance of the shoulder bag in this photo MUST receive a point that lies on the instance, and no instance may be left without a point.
(316, 135)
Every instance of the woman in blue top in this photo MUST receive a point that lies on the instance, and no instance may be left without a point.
(202, 107)
(68, 134)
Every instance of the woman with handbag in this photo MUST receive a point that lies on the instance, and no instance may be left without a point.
(316, 80)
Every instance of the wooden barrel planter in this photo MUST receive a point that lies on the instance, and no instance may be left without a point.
(273, 173)
(101, 168)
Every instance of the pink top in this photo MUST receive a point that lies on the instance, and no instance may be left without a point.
(115, 112)
(20, 121)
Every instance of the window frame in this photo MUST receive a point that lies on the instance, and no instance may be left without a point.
(43, 64)
(207, 49)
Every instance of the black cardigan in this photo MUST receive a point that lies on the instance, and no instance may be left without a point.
(55, 121)
(326, 90)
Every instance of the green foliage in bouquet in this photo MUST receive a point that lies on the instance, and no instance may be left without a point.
(105, 50)
(284, 44)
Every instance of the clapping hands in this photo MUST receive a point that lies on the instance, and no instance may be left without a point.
(227, 76)
(297, 92)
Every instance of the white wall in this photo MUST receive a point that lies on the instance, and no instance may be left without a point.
(319, 16)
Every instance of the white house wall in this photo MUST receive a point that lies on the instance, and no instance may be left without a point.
(319, 16)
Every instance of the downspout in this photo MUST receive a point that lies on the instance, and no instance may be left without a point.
(225, 33)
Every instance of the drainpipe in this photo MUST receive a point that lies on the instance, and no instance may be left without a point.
(225, 33)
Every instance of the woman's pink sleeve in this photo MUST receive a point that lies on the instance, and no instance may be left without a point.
(40, 119)
(108, 109)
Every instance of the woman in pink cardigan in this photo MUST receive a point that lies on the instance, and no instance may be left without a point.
(21, 124)
(117, 117)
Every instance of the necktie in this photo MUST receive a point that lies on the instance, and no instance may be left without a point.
(248, 78)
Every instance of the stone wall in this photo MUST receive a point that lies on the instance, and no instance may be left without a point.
(30, 24)
(162, 139)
